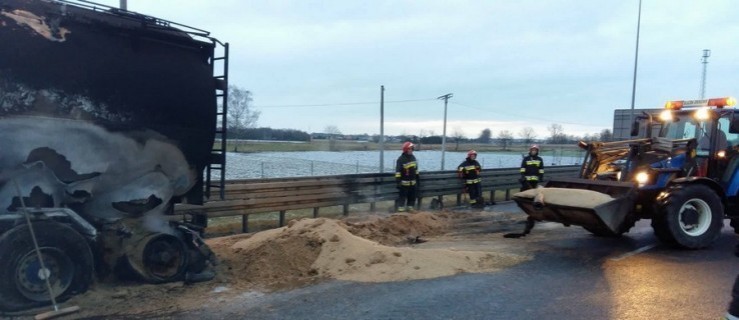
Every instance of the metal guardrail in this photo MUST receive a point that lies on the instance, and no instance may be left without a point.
(249, 196)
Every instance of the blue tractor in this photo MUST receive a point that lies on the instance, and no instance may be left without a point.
(680, 172)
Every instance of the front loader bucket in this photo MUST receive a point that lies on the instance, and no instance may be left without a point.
(609, 215)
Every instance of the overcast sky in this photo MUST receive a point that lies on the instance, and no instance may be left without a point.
(509, 64)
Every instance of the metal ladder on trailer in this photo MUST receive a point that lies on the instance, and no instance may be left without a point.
(217, 165)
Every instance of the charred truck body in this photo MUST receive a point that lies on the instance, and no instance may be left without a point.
(107, 119)
(683, 175)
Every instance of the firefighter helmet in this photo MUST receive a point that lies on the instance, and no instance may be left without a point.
(534, 146)
(471, 153)
(408, 146)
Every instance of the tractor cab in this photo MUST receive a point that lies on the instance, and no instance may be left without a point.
(709, 130)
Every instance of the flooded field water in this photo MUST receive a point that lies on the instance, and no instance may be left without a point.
(319, 163)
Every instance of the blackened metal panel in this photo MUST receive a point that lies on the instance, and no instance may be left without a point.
(107, 112)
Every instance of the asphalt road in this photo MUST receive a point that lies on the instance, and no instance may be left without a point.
(572, 275)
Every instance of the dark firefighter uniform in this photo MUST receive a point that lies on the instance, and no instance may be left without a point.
(406, 176)
(532, 170)
(469, 172)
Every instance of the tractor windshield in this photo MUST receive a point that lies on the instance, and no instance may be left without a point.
(685, 126)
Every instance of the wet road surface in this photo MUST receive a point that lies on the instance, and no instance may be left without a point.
(572, 275)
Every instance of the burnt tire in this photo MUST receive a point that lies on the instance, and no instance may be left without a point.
(691, 216)
(157, 258)
(66, 256)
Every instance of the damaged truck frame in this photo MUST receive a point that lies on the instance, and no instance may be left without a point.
(683, 174)
(107, 119)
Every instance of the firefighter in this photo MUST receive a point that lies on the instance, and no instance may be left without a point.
(469, 173)
(532, 169)
(406, 176)
(532, 172)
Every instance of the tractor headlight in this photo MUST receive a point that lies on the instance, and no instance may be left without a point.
(641, 178)
(666, 115)
(721, 154)
(702, 114)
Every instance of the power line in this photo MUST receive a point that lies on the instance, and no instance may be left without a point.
(340, 104)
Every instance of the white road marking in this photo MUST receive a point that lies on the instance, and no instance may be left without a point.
(637, 251)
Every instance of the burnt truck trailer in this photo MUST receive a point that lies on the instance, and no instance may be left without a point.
(107, 119)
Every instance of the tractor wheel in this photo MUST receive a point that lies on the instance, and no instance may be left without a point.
(67, 259)
(691, 216)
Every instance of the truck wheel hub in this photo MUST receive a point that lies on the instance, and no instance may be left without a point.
(30, 278)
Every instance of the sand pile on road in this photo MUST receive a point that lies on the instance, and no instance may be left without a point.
(313, 249)
(567, 197)
(398, 229)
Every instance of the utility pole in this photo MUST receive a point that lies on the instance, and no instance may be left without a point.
(382, 129)
(706, 54)
(636, 60)
(443, 135)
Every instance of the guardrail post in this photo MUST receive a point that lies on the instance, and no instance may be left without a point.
(245, 223)
(373, 207)
(508, 194)
(492, 195)
(346, 210)
(315, 212)
(459, 199)
(282, 218)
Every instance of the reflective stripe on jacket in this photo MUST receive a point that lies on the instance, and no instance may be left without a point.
(532, 168)
(406, 169)
(469, 171)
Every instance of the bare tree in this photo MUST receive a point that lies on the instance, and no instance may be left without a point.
(241, 113)
(485, 136)
(556, 134)
(505, 138)
(332, 130)
(606, 135)
(527, 134)
(458, 135)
